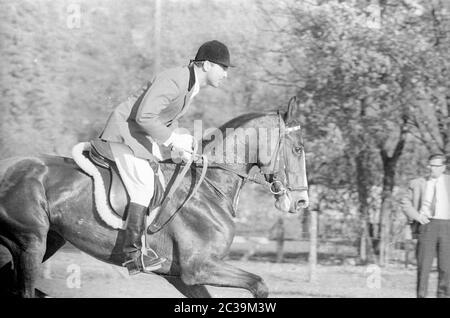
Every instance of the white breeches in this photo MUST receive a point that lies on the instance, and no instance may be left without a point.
(136, 173)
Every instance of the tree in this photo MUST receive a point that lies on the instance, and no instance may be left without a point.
(363, 73)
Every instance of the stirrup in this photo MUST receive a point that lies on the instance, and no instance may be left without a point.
(137, 265)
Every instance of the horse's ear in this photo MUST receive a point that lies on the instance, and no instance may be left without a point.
(292, 113)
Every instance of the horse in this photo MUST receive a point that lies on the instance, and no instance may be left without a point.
(47, 200)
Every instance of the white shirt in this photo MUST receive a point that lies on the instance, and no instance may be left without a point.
(442, 204)
(442, 199)
(428, 198)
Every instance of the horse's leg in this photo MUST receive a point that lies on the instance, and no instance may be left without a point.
(24, 220)
(25, 238)
(192, 291)
(5, 255)
(54, 243)
(27, 263)
(221, 274)
(7, 275)
(19, 272)
(7, 279)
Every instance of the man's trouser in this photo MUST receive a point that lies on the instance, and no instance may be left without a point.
(136, 173)
(434, 239)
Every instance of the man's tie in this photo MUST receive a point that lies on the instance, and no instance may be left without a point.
(433, 201)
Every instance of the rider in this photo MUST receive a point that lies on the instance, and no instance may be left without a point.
(137, 128)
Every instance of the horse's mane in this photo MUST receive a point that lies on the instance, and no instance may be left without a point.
(244, 119)
(238, 122)
(241, 120)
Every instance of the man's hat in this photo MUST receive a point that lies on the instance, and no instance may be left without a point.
(437, 159)
(214, 51)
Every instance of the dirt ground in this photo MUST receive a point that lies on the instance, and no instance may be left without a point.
(71, 273)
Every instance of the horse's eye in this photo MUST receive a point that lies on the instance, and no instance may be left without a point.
(298, 150)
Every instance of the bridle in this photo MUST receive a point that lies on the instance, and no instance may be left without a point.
(269, 170)
(163, 218)
(277, 187)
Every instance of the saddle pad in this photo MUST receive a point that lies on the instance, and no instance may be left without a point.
(116, 192)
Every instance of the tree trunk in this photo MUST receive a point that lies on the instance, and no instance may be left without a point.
(277, 233)
(363, 243)
(446, 129)
(384, 227)
(365, 250)
(389, 166)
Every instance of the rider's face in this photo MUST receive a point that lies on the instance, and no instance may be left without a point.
(215, 74)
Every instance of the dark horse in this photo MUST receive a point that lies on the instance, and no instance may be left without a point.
(48, 200)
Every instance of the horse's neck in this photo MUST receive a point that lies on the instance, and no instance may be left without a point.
(243, 154)
(239, 143)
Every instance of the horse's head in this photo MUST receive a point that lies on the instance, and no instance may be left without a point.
(286, 170)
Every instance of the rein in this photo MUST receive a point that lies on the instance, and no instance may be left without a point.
(276, 186)
(162, 219)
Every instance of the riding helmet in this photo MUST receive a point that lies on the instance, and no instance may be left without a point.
(214, 51)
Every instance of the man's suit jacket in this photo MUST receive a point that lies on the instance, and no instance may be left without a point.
(412, 201)
(153, 115)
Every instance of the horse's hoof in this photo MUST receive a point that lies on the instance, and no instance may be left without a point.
(40, 294)
(263, 294)
(262, 291)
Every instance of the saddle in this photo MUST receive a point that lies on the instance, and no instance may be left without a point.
(96, 159)
(101, 156)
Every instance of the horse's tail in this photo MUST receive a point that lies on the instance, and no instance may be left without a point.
(105, 212)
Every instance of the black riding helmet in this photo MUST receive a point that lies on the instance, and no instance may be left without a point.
(214, 51)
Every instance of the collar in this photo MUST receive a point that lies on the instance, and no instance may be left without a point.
(191, 77)
(196, 87)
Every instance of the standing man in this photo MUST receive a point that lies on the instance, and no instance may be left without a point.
(136, 129)
(428, 205)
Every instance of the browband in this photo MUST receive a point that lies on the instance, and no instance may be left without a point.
(289, 129)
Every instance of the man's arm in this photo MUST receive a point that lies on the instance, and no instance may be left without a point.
(159, 96)
(407, 204)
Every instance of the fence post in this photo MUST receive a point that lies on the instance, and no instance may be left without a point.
(312, 245)
(277, 234)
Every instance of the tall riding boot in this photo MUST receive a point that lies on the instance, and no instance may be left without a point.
(136, 260)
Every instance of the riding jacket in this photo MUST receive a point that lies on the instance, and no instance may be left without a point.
(152, 116)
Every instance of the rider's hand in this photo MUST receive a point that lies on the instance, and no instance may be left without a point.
(181, 142)
(182, 146)
(422, 219)
(186, 156)
(180, 155)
